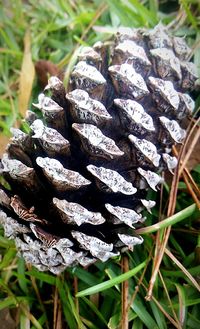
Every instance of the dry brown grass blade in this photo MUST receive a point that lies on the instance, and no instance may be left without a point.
(190, 143)
(161, 244)
(140, 280)
(75, 292)
(158, 248)
(162, 309)
(192, 182)
(27, 75)
(169, 300)
(57, 311)
(35, 287)
(190, 189)
(156, 265)
(191, 140)
(188, 175)
(30, 316)
(194, 49)
(183, 269)
(99, 12)
(26, 321)
(3, 142)
(73, 55)
(124, 295)
(191, 148)
(178, 21)
(3, 138)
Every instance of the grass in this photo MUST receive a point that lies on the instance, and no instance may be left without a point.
(156, 285)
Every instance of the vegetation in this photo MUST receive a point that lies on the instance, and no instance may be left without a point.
(156, 285)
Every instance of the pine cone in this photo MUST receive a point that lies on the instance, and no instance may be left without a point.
(78, 181)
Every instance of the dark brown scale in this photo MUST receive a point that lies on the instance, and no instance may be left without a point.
(24, 213)
(87, 165)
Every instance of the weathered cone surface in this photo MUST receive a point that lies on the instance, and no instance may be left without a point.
(78, 181)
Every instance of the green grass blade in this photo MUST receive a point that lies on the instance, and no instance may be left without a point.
(94, 309)
(193, 322)
(13, 301)
(110, 283)
(85, 276)
(159, 317)
(186, 5)
(141, 310)
(147, 15)
(182, 304)
(71, 321)
(7, 302)
(21, 276)
(24, 320)
(8, 257)
(137, 324)
(6, 243)
(73, 307)
(188, 302)
(48, 278)
(194, 271)
(181, 215)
